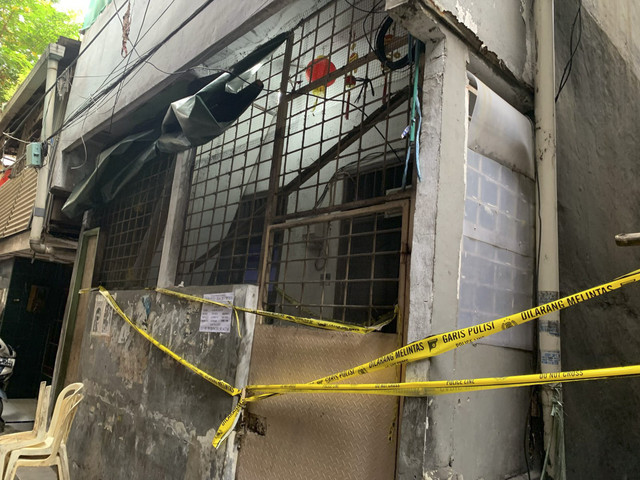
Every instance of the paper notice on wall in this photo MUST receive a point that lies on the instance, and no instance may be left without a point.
(216, 319)
(102, 317)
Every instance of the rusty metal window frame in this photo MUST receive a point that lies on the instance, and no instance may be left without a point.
(132, 229)
(347, 261)
(227, 173)
(312, 151)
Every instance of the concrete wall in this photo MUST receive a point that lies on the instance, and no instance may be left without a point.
(598, 169)
(505, 28)
(469, 436)
(144, 415)
(619, 22)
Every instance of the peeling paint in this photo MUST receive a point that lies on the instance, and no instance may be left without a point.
(162, 416)
(466, 17)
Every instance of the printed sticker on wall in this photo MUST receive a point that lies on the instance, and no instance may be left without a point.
(102, 318)
(216, 319)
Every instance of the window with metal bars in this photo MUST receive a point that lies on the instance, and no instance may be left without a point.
(132, 228)
(347, 270)
(325, 138)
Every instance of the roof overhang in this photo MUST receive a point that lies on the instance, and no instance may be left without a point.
(34, 81)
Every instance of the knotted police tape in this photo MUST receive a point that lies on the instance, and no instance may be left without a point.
(419, 350)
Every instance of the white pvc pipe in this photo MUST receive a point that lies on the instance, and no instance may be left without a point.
(548, 274)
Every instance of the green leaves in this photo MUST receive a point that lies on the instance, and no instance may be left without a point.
(26, 28)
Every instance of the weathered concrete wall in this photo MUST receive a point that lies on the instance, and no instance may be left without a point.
(619, 20)
(598, 171)
(145, 415)
(505, 27)
(474, 435)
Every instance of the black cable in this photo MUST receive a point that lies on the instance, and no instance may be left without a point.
(75, 116)
(115, 102)
(381, 51)
(527, 426)
(567, 68)
(368, 12)
(142, 59)
(364, 22)
(75, 60)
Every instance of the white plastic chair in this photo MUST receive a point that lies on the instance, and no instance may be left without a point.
(39, 421)
(51, 443)
(52, 451)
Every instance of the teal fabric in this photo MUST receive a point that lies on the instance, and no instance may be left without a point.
(95, 8)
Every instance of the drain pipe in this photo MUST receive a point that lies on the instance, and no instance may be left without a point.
(37, 241)
(548, 273)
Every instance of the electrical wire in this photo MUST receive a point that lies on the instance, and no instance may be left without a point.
(566, 73)
(364, 10)
(97, 99)
(94, 100)
(73, 62)
(144, 16)
(14, 138)
(73, 119)
(364, 22)
(147, 55)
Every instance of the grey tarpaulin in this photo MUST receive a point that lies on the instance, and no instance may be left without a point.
(115, 167)
(189, 122)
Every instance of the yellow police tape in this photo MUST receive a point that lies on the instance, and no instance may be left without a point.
(222, 385)
(441, 343)
(442, 387)
(419, 350)
(310, 322)
(421, 389)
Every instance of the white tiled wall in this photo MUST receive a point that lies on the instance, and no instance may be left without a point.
(497, 264)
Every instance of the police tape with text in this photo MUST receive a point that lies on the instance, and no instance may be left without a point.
(421, 349)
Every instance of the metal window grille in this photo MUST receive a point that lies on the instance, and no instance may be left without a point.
(230, 179)
(133, 225)
(345, 269)
(327, 143)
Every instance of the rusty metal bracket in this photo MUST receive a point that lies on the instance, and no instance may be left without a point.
(345, 141)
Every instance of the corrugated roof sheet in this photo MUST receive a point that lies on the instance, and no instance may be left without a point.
(17, 197)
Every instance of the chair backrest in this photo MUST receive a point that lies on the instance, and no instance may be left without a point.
(64, 402)
(62, 433)
(42, 408)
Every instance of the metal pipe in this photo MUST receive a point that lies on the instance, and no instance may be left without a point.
(36, 239)
(548, 273)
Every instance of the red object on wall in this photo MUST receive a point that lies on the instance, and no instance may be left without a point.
(5, 176)
(318, 68)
